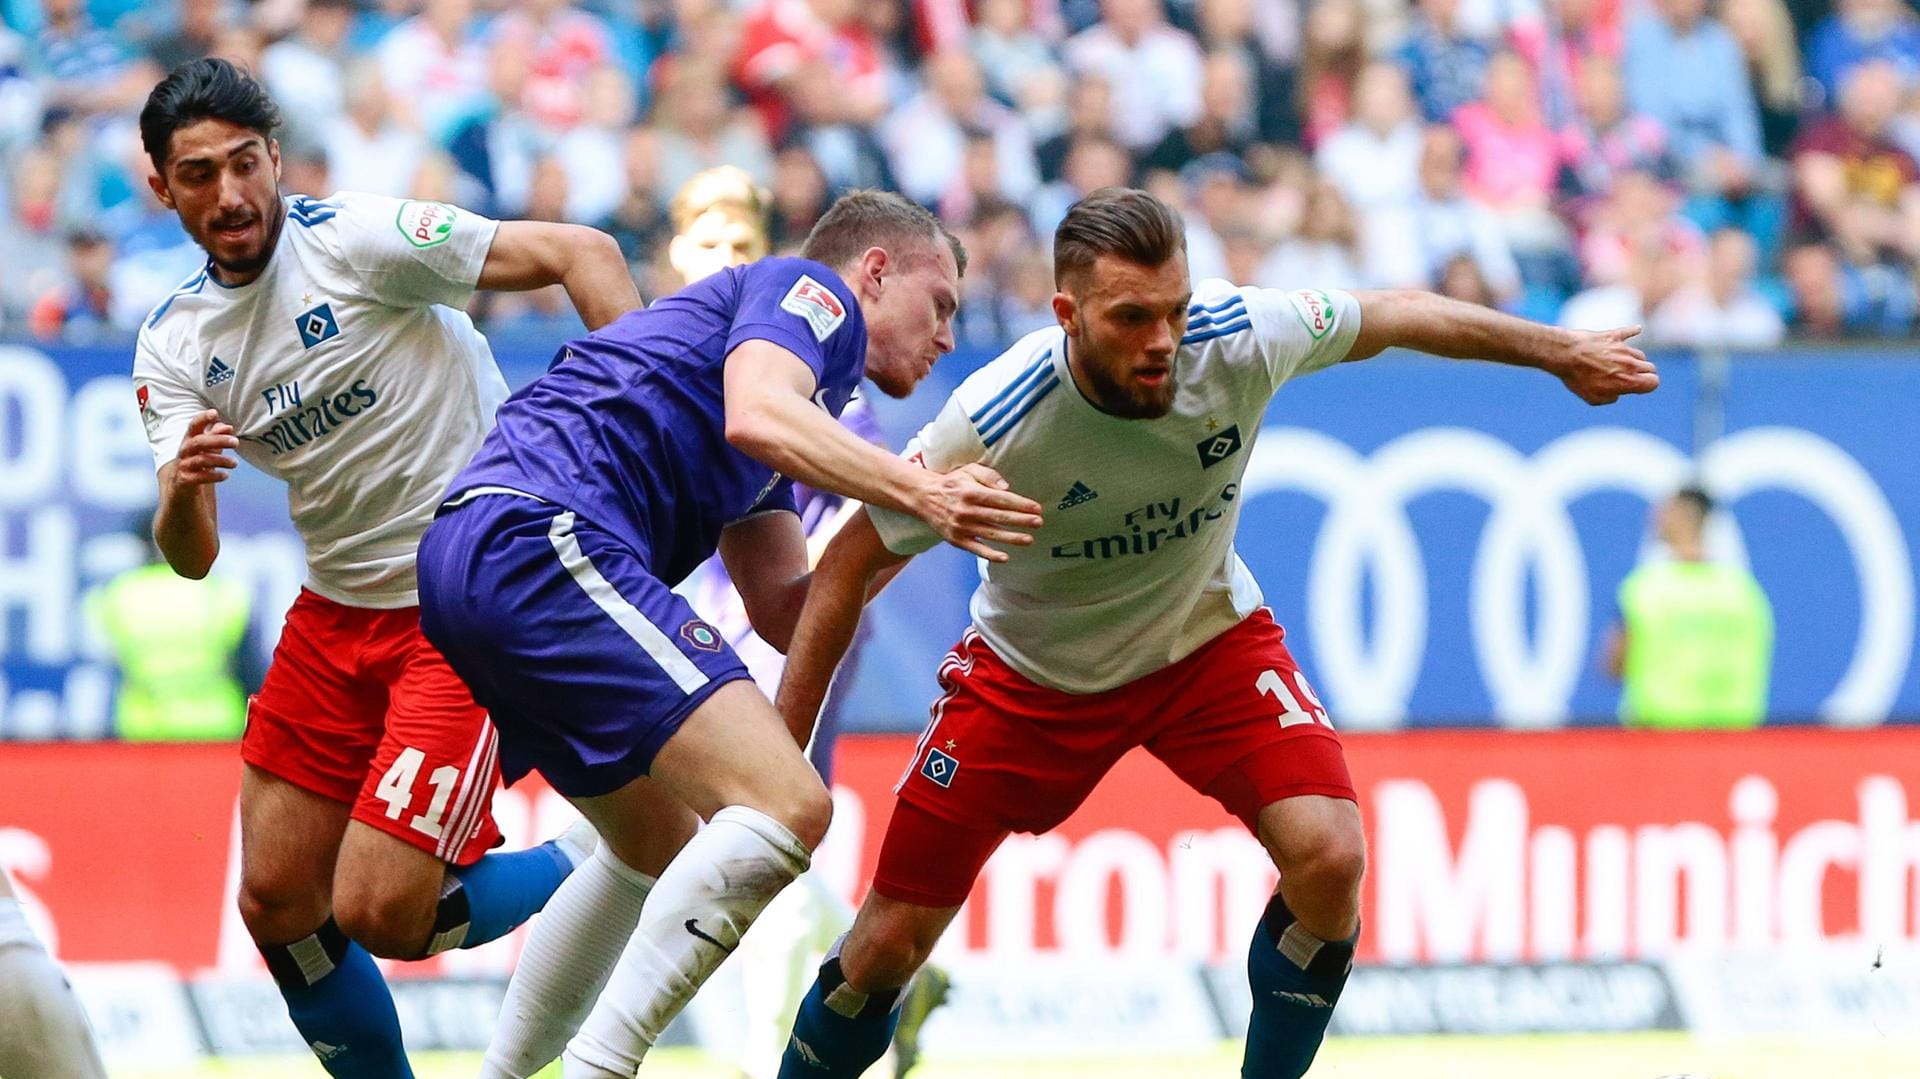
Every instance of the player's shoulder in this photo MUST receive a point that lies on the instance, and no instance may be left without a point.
(1012, 384)
(169, 320)
(803, 287)
(1219, 313)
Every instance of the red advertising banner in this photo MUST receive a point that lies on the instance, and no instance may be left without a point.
(1485, 845)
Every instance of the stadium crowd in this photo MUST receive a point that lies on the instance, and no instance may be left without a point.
(1724, 172)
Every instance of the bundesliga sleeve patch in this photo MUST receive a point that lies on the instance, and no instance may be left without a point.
(1315, 309)
(816, 303)
(425, 224)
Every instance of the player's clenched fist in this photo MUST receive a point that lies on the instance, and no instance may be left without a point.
(972, 507)
(1602, 367)
(203, 456)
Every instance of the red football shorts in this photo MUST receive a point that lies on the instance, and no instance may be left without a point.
(1235, 721)
(359, 708)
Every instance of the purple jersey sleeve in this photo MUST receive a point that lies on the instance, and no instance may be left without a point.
(804, 308)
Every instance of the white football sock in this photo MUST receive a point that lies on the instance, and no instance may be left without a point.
(705, 900)
(43, 1031)
(569, 953)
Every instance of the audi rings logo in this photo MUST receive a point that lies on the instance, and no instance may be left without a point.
(1531, 676)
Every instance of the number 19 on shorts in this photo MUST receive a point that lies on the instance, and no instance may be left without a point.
(1272, 683)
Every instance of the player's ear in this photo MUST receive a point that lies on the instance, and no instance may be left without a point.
(273, 155)
(1066, 310)
(874, 264)
(158, 185)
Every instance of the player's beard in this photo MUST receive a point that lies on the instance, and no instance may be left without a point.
(1129, 401)
(250, 265)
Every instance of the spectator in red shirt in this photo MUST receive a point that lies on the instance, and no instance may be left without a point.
(80, 306)
(566, 45)
(1852, 184)
(787, 46)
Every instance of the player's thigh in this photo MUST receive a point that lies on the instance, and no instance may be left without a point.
(641, 823)
(385, 889)
(289, 841)
(734, 750)
(1251, 731)
(317, 719)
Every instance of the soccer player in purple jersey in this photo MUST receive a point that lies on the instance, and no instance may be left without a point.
(670, 434)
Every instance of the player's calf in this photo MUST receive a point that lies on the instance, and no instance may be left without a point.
(848, 1018)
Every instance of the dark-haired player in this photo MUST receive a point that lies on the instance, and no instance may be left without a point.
(324, 343)
(1130, 621)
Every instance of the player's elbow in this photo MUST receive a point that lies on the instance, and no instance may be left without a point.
(754, 428)
(192, 564)
(590, 245)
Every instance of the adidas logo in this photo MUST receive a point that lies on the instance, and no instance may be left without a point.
(1310, 1000)
(218, 372)
(1078, 494)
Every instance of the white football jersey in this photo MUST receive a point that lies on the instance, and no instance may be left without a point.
(347, 369)
(1134, 568)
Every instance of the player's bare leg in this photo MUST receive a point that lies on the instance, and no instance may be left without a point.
(289, 842)
(571, 950)
(733, 763)
(43, 1031)
(1303, 947)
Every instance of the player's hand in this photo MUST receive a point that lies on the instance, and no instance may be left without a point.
(1601, 367)
(204, 452)
(973, 508)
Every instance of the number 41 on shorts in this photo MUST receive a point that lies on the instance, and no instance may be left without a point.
(1274, 684)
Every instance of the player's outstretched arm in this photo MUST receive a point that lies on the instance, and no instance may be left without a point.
(584, 261)
(766, 559)
(1598, 367)
(186, 525)
(847, 576)
(771, 417)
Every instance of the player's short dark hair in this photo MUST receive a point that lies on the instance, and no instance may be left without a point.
(1696, 498)
(208, 89)
(858, 220)
(1125, 222)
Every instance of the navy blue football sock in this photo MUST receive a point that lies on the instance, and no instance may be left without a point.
(840, 1031)
(1296, 979)
(490, 898)
(340, 1004)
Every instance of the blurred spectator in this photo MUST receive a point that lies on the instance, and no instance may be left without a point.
(20, 96)
(1719, 307)
(1852, 184)
(1694, 643)
(1513, 159)
(800, 196)
(926, 138)
(1089, 115)
(78, 308)
(813, 49)
(1640, 216)
(306, 71)
(1225, 123)
(1557, 38)
(1007, 49)
(1153, 69)
(367, 149)
(1833, 299)
(1375, 158)
(1764, 32)
(1686, 71)
(1605, 140)
(1332, 53)
(1325, 253)
(1623, 302)
(84, 67)
(1008, 289)
(639, 222)
(1440, 227)
(1266, 35)
(194, 33)
(31, 246)
(434, 65)
(1094, 162)
(593, 152)
(304, 172)
(1461, 279)
(1859, 31)
(698, 128)
(565, 46)
(492, 139)
(1447, 65)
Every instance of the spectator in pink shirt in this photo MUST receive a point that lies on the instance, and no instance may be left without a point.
(1512, 157)
(567, 45)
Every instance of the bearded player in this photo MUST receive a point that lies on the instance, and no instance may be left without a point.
(324, 343)
(1130, 621)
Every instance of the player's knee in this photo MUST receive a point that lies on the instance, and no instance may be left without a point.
(278, 908)
(884, 957)
(1332, 871)
(805, 808)
(392, 924)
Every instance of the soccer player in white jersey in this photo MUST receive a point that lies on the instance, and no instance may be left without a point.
(1130, 621)
(43, 1031)
(324, 343)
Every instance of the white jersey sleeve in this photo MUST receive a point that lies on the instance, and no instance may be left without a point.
(167, 398)
(410, 253)
(948, 441)
(1295, 332)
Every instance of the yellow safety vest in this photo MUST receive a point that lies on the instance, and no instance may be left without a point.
(174, 640)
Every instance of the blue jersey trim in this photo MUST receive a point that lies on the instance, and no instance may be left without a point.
(1228, 312)
(1018, 386)
(1198, 310)
(1046, 387)
(1216, 331)
(192, 286)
